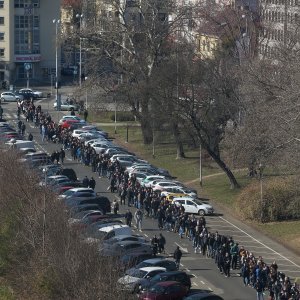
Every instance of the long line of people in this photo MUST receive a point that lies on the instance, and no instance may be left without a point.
(227, 254)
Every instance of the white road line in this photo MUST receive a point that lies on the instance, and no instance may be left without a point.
(183, 249)
(194, 283)
(194, 275)
(188, 270)
(210, 288)
(182, 265)
(145, 235)
(202, 281)
(260, 242)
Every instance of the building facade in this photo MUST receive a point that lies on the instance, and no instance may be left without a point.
(27, 36)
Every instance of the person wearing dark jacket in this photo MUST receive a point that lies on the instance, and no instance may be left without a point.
(177, 256)
(92, 183)
(62, 155)
(128, 218)
(85, 182)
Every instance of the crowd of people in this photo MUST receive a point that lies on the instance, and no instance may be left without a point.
(226, 253)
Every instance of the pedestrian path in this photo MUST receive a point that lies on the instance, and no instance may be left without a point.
(258, 247)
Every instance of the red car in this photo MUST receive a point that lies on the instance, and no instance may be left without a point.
(166, 290)
(71, 124)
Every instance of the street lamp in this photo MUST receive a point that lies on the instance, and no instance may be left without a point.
(56, 22)
(200, 165)
(261, 169)
(80, 17)
(44, 211)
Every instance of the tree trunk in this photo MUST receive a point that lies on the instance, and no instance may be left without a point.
(147, 130)
(233, 182)
(179, 145)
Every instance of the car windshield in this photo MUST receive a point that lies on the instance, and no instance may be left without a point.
(138, 273)
(143, 264)
(157, 289)
(198, 202)
(68, 193)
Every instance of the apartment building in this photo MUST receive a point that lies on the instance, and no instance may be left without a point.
(280, 21)
(27, 36)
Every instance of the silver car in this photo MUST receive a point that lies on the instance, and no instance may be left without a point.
(10, 97)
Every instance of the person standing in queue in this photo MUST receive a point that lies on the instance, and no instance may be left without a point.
(85, 182)
(161, 243)
(154, 244)
(177, 257)
(92, 183)
(62, 155)
(138, 218)
(128, 217)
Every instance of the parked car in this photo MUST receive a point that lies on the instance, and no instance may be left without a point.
(84, 214)
(69, 117)
(161, 185)
(121, 238)
(194, 206)
(37, 94)
(178, 276)
(121, 248)
(27, 94)
(10, 97)
(169, 265)
(203, 296)
(170, 290)
(78, 193)
(132, 259)
(101, 201)
(149, 179)
(179, 190)
(130, 282)
(66, 106)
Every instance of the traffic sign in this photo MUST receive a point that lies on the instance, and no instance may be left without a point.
(27, 66)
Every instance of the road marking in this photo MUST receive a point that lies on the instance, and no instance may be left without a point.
(188, 270)
(183, 249)
(194, 283)
(194, 275)
(182, 265)
(247, 234)
(202, 282)
(146, 235)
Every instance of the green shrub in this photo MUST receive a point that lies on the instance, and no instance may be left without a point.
(122, 116)
(280, 200)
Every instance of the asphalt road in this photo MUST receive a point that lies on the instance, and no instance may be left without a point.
(203, 271)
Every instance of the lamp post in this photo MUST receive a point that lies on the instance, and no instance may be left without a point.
(56, 22)
(261, 169)
(86, 95)
(44, 211)
(80, 17)
(200, 165)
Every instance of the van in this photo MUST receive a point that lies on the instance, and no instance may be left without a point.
(108, 232)
(20, 144)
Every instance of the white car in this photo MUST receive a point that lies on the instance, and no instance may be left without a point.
(131, 282)
(179, 190)
(194, 206)
(77, 132)
(161, 185)
(100, 147)
(9, 96)
(114, 157)
(66, 106)
(97, 140)
(147, 182)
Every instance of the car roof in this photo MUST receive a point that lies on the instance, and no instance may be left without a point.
(153, 260)
(130, 242)
(202, 295)
(149, 269)
(167, 283)
(109, 228)
(81, 189)
(183, 198)
(174, 273)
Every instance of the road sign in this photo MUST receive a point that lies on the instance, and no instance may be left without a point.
(27, 66)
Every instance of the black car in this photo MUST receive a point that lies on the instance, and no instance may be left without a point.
(179, 276)
(102, 202)
(27, 95)
(203, 296)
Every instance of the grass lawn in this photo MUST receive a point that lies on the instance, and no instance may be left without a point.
(215, 184)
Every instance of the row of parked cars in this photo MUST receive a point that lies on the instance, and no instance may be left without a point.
(22, 94)
(146, 174)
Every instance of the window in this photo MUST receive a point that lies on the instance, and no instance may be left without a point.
(1, 20)
(1, 52)
(1, 36)
(1, 4)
